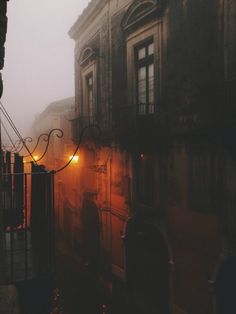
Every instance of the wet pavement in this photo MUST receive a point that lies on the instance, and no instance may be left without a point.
(77, 291)
(71, 290)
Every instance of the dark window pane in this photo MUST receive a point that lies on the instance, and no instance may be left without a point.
(90, 98)
(151, 88)
(142, 93)
(145, 78)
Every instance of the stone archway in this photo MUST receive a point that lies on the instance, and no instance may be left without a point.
(90, 231)
(147, 268)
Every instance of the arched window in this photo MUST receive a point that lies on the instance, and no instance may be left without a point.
(87, 54)
(140, 12)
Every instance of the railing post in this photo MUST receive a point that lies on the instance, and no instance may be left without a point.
(53, 222)
(26, 226)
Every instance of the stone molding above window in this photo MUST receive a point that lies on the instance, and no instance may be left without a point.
(142, 11)
(86, 55)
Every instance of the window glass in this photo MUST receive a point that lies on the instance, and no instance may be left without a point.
(141, 53)
(151, 88)
(150, 49)
(145, 78)
(142, 90)
(90, 81)
(90, 98)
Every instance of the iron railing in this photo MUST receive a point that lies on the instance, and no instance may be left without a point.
(27, 205)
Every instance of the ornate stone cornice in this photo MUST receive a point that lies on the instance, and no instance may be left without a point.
(139, 10)
(87, 16)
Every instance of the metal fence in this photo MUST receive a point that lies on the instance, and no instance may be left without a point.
(27, 224)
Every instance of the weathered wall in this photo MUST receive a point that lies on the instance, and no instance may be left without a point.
(197, 49)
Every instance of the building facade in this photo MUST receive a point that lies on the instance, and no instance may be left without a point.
(156, 189)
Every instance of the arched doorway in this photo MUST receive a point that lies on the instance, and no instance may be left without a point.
(147, 268)
(90, 231)
(225, 286)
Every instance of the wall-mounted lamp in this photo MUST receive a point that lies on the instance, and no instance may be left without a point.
(74, 159)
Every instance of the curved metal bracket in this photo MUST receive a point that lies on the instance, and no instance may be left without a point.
(20, 144)
(16, 146)
(59, 135)
(79, 143)
(37, 143)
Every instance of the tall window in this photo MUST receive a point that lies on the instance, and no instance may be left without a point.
(144, 58)
(90, 97)
(87, 90)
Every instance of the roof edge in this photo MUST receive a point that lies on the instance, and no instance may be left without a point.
(83, 19)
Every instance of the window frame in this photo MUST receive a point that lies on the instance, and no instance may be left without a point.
(143, 34)
(86, 71)
(144, 63)
(90, 88)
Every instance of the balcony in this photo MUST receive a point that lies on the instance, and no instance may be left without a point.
(139, 124)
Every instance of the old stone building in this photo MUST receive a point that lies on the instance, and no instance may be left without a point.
(56, 115)
(157, 188)
(56, 120)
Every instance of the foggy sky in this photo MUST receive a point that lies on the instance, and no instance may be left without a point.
(39, 65)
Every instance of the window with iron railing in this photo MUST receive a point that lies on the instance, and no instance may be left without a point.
(144, 62)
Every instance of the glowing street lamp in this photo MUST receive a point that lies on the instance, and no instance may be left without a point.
(74, 159)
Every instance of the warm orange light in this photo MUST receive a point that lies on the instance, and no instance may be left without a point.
(36, 157)
(141, 156)
(74, 159)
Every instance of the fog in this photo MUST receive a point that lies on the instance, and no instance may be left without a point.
(39, 65)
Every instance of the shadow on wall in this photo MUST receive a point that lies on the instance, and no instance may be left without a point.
(148, 268)
(225, 287)
(90, 233)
